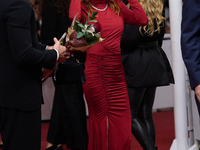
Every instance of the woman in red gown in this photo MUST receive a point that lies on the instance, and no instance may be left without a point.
(105, 88)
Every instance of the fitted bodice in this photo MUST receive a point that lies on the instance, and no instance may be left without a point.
(112, 28)
(112, 23)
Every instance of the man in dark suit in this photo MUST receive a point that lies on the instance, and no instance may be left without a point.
(190, 44)
(21, 60)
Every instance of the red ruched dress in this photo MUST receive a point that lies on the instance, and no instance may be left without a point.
(105, 88)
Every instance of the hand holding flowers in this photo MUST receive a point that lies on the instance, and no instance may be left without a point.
(82, 36)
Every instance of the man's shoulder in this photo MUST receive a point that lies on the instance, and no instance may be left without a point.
(12, 7)
(9, 2)
(4, 4)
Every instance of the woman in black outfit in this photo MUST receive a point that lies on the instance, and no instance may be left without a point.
(68, 118)
(146, 67)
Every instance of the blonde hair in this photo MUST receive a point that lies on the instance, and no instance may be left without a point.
(111, 3)
(153, 9)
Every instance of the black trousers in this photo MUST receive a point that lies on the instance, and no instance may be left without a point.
(68, 119)
(142, 125)
(20, 130)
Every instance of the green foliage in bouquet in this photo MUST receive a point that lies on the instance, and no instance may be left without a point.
(86, 30)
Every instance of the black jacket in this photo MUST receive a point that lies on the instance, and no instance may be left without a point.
(21, 57)
(145, 63)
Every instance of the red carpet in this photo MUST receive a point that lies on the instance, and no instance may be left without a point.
(165, 134)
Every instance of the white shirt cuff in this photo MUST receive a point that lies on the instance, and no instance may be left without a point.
(46, 47)
(55, 50)
(57, 53)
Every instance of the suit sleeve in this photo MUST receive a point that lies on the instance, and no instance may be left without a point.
(190, 40)
(19, 19)
(136, 16)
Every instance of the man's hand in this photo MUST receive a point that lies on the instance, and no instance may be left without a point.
(197, 92)
(49, 47)
(63, 54)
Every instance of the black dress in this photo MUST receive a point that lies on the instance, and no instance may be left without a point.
(68, 118)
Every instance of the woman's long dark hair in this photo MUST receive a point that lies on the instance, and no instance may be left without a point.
(62, 6)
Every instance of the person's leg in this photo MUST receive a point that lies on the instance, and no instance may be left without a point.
(74, 116)
(138, 129)
(20, 129)
(55, 134)
(146, 111)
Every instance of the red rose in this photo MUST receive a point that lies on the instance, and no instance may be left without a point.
(97, 27)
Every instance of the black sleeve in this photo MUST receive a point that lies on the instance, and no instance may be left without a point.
(130, 38)
(20, 20)
(162, 31)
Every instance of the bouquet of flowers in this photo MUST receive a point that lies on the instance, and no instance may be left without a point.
(80, 37)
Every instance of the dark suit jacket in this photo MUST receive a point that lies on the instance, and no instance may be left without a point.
(21, 57)
(190, 40)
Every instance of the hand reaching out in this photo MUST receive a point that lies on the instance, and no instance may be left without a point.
(63, 54)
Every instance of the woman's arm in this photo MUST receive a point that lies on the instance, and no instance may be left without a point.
(162, 30)
(136, 16)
